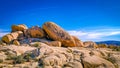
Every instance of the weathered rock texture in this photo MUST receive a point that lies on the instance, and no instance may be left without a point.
(51, 33)
(60, 57)
(55, 32)
(54, 43)
(35, 32)
(12, 36)
(90, 44)
(72, 57)
(78, 42)
(18, 27)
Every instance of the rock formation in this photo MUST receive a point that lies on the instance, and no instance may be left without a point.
(55, 32)
(90, 44)
(12, 36)
(52, 47)
(60, 57)
(49, 31)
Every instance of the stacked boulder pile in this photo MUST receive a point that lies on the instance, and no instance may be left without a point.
(52, 47)
(50, 33)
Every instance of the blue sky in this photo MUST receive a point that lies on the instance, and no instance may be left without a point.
(95, 20)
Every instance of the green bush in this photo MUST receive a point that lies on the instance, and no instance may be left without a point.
(28, 57)
(102, 45)
(9, 56)
(36, 44)
(1, 60)
(114, 48)
(18, 60)
(36, 60)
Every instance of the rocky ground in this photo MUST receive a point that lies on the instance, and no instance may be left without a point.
(52, 47)
(45, 56)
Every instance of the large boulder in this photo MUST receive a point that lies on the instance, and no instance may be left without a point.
(20, 27)
(7, 38)
(78, 42)
(56, 33)
(90, 44)
(16, 34)
(35, 32)
(12, 36)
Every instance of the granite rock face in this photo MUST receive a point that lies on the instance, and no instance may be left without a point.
(90, 44)
(12, 36)
(56, 33)
(50, 32)
(35, 32)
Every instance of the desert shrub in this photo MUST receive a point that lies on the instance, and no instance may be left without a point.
(18, 60)
(26, 67)
(1, 60)
(102, 45)
(111, 59)
(36, 44)
(114, 48)
(117, 48)
(36, 60)
(1, 66)
(2, 43)
(28, 57)
(111, 46)
(10, 56)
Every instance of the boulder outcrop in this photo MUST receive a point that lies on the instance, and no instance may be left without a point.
(56, 33)
(51, 33)
(7, 38)
(12, 36)
(90, 44)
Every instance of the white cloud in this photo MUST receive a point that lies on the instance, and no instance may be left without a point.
(3, 32)
(94, 34)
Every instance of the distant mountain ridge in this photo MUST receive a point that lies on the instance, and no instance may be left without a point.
(110, 42)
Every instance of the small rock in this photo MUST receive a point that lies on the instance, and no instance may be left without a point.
(54, 43)
(90, 44)
(16, 42)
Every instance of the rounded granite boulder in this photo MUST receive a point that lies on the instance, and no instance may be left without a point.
(56, 33)
(20, 27)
